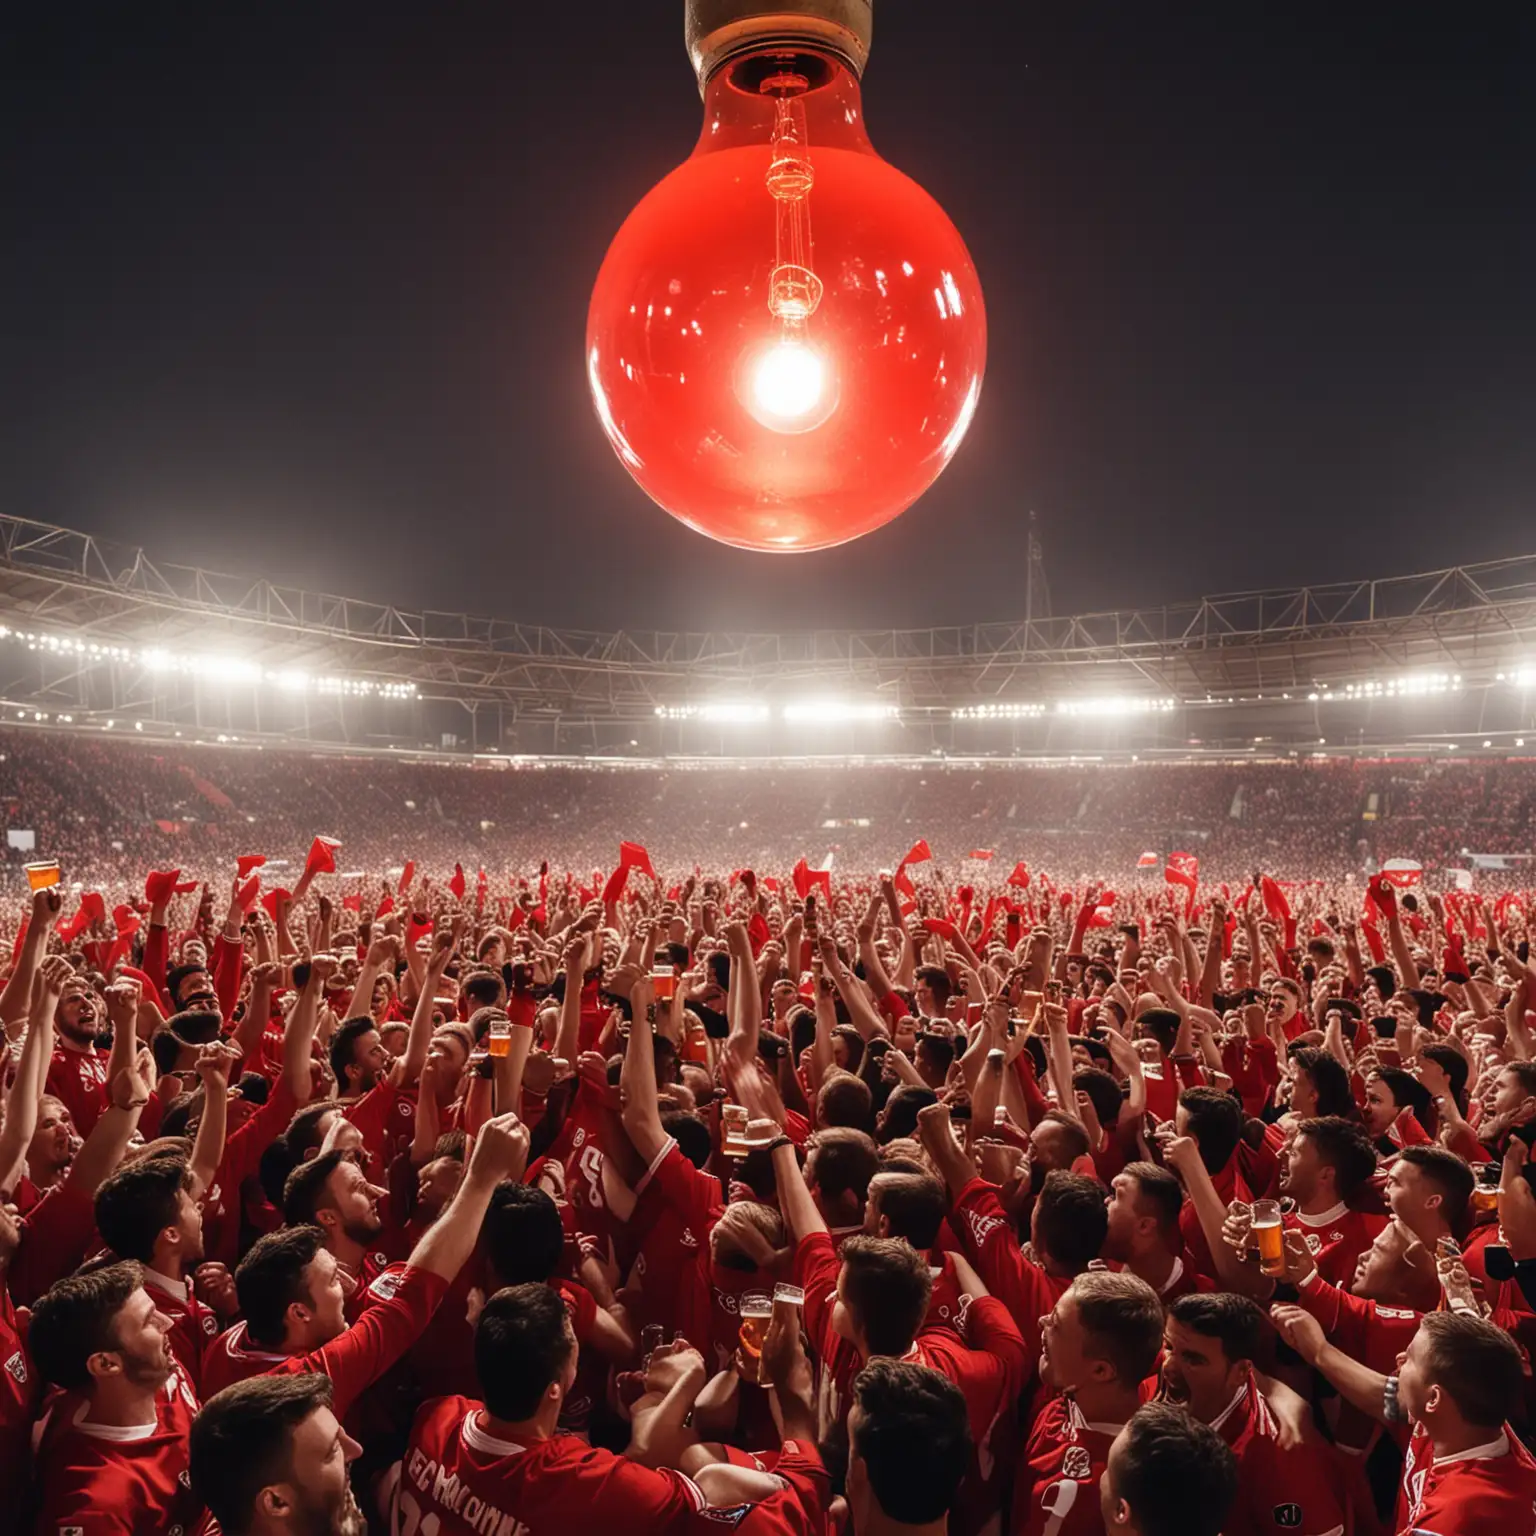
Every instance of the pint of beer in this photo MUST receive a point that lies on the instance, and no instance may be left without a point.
(1269, 1236)
(756, 1312)
(41, 876)
(733, 1125)
(1485, 1193)
(664, 983)
(499, 1041)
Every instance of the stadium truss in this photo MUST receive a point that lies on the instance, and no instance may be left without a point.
(1471, 622)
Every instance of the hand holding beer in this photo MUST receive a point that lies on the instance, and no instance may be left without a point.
(756, 1313)
(1269, 1237)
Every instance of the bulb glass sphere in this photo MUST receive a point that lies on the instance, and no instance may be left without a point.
(787, 337)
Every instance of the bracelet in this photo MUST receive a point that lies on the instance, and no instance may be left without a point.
(777, 1142)
(650, 1013)
(1391, 1409)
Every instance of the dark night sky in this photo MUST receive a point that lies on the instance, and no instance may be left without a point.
(301, 289)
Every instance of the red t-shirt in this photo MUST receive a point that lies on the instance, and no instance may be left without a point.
(986, 1234)
(1487, 1491)
(20, 1396)
(79, 1080)
(1336, 1239)
(1057, 1486)
(118, 1483)
(468, 1481)
(401, 1304)
(386, 1116)
(676, 1205)
(1299, 1489)
(193, 1325)
(1372, 1334)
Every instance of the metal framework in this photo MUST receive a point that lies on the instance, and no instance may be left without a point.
(1472, 620)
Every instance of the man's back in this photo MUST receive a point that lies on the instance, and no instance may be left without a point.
(473, 1481)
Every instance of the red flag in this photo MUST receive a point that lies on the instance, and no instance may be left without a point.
(160, 885)
(616, 883)
(1374, 940)
(757, 932)
(918, 853)
(456, 885)
(1383, 895)
(1020, 876)
(94, 905)
(1403, 873)
(942, 927)
(272, 898)
(1184, 869)
(385, 907)
(352, 903)
(980, 853)
(407, 875)
(806, 879)
(247, 893)
(634, 856)
(1148, 860)
(322, 857)
(126, 920)
(247, 862)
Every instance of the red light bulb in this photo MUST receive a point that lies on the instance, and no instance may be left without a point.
(787, 337)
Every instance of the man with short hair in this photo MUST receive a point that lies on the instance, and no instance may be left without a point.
(1209, 1347)
(1214, 1121)
(1167, 1475)
(1329, 1163)
(77, 1074)
(1428, 1190)
(147, 1212)
(503, 1458)
(1098, 1344)
(332, 1192)
(358, 1058)
(112, 1454)
(908, 1449)
(269, 1457)
(1143, 1232)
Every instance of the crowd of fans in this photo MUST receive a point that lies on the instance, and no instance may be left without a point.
(605, 1193)
(111, 807)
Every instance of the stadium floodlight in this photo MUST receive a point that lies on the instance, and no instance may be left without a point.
(1411, 685)
(1113, 707)
(724, 713)
(207, 666)
(1521, 677)
(1013, 711)
(837, 711)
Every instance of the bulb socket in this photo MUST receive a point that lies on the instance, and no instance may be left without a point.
(717, 31)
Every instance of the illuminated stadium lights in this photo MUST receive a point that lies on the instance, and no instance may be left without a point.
(1112, 707)
(208, 666)
(1412, 685)
(715, 714)
(837, 712)
(1522, 677)
(998, 712)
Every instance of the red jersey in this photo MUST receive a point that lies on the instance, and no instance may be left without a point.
(118, 1482)
(1299, 1489)
(1336, 1239)
(1056, 1492)
(987, 1237)
(676, 1205)
(386, 1116)
(470, 1483)
(193, 1325)
(1487, 1491)
(19, 1400)
(399, 1309)
(1372, 1334)
(990, 1368)
(79, 1080)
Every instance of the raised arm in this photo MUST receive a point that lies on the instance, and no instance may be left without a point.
(213, 1067)
(16, 996)
(795, 1202)
(500, 1153)
(407, 1071)
(641, 1112)
(21, 1105)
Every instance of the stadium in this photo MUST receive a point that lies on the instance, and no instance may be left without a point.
(1408, 691)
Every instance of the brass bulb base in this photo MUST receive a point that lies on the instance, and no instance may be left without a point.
(717, 31)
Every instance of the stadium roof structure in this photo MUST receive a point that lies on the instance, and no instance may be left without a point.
(1468, 629)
